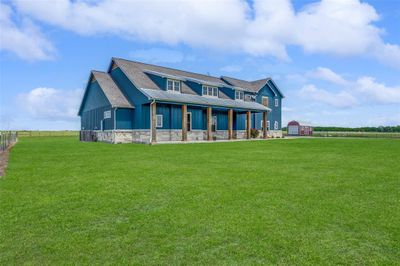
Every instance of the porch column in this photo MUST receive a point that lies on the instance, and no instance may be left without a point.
(265, 118)
(230, 124)
(184, 122)
(209, 123)
(153, 107)
(248, 115)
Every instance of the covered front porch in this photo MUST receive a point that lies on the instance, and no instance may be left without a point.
(193, 122)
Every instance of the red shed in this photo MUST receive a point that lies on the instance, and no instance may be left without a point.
(299, 129)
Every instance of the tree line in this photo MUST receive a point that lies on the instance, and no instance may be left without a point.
(358, 129)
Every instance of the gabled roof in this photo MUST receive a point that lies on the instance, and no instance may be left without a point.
(110, 89)
(254, 86)
(139, 74)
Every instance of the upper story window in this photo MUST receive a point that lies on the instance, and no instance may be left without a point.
(265, 101)
(276, 102)
(239, 95)
(210, 91)
(173, 85)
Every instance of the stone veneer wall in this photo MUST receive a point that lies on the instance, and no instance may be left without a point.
(143, 135)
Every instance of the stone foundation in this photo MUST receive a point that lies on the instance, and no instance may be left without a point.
(165, 135)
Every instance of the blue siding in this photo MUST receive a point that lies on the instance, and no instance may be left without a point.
(159, 81)
(94, 119)
(94, 98)
(276, 112)
(198, 88)
(229, 92)
(222, 120)
(141, 117)
(125, 118)
(198, 118)
(95, 103)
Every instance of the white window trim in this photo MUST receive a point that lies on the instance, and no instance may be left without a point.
(173, 85)
(276, 102)
(161, 120)
(212, 92)
(240, 93)
(216, 122)
(191, 122)
(262, 100)
(276, 125)
(107, 114)
(268, 125)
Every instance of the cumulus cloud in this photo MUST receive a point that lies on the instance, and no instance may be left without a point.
(377, 92)
(327, 74)
(25, 40)
(264, 28)
(51, 104)
(341, 99)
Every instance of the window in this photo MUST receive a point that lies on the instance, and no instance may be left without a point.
(276, 125)
(173, 85)
(189, 121)
(107, 114)
(276, 102)
(268, 125)
(265, 101)
(159, 121)
(210, 91)
(214, 123)
(239, 95)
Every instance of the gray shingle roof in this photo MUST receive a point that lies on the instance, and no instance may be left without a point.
(139, 72)
(162, 95)
(111, 90)
(252, 85)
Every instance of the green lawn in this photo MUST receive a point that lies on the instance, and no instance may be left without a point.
(298, 201)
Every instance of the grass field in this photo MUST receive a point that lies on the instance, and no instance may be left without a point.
(298, 201)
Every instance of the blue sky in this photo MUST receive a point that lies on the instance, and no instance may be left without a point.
(337, 62)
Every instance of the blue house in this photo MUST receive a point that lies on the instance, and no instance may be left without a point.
(138, 102)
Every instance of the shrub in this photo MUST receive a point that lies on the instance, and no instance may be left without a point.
(254, 133)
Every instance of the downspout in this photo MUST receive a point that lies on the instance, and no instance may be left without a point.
(115, 119)
(151, 123)
(115, 123)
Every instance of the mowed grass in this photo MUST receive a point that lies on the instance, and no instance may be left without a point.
(298, 201)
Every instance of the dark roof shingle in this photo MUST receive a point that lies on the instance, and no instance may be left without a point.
(111, 90)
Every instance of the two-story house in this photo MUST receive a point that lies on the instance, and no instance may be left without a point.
(138, 102)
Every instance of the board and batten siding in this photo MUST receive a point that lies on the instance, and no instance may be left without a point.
(141, 114)
(95, 104)
(276, 112)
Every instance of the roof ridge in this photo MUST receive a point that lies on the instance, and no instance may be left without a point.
(170, 68)
(235, 79)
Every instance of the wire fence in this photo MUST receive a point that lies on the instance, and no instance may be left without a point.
(7, 138)
(38, 133)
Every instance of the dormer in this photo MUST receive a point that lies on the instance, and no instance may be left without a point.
(173, 85)
(210, 91)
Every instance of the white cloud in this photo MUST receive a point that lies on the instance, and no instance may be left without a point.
(51, 104)
(377, 92)
(25, 40)
(341, 99)
(266, 28)
(327, 74)
(158, 55)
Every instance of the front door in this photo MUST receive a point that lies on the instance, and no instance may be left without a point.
(214, 123)
(189, 121)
